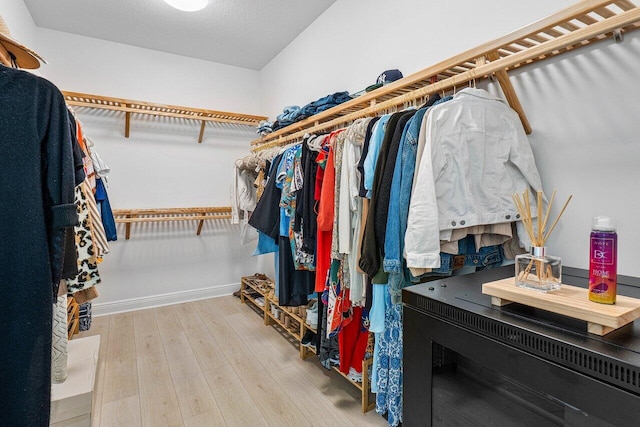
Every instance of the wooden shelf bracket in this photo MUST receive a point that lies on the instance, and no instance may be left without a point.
(510, 93)
(201, 136)
(127, 124)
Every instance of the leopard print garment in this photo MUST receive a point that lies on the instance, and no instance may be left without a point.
(87, 262)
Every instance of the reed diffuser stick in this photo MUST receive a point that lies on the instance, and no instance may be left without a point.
(539, 201)
(546, 215)
(556, 221)
(527, 206)
(521, 210)
(527, 218)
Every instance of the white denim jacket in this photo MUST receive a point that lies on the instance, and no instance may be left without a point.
(476, 156)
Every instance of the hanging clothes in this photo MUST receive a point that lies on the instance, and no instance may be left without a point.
(37, 193)
(384, 190)
(294, 284)
(266, 216)
(70, 263)
(85, 317)
(371, 159)
(325, 196)
(243, 192)
(98, 233)
(389, 364)
(88, 163)
(352, 344)
(401, 185)
(306, 219)
(476, 156)
(345, 276)
(351, 206)
(359, 188)
(303, 259)
(100, 167)
(88, 275)
(328, 354)
(108, 221)
(370, 260)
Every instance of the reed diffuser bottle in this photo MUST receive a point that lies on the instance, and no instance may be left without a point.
(537, 270)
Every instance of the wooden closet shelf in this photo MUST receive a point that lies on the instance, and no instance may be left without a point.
(576, 26)
(129, 106)
(129, 216)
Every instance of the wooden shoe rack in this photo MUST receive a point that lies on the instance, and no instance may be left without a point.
(292, 321)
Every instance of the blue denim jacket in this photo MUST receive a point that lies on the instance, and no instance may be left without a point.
(324, 103)
(468, 256)
(399, 206)
(289, 113)
(402, 172)
(487, 257)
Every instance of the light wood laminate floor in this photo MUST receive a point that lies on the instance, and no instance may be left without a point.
(213, 363)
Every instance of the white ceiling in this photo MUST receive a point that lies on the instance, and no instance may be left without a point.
(244, 33)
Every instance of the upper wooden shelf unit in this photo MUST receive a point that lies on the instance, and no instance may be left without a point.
(579, 25)
(129, 106)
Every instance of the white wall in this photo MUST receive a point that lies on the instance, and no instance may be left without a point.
(18, 19)
(350, 44)
(84, 64)
(583, 106)
(161, 165)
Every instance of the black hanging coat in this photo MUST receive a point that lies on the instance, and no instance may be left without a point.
(36, 205)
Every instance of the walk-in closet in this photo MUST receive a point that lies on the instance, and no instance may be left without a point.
(328, 213)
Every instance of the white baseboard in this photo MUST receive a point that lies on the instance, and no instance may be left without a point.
(133, 304)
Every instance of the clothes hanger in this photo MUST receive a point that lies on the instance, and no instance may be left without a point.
(425, 102)
(472, 79)
(357, 131)
(269, 154)
(315, 142)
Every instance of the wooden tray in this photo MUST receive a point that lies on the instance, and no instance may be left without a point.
(569, 301)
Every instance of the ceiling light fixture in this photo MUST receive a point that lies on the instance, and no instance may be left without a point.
(188, 5)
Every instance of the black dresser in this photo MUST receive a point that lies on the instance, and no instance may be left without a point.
(469, 363)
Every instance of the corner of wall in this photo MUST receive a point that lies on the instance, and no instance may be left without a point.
(133, 304)
(19, 20)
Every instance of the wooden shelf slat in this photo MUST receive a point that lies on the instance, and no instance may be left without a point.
(171, 218)
(166, 211)
(624, 5)
(131, 216)
(604, 12)
(99, 101)
(129, 106)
